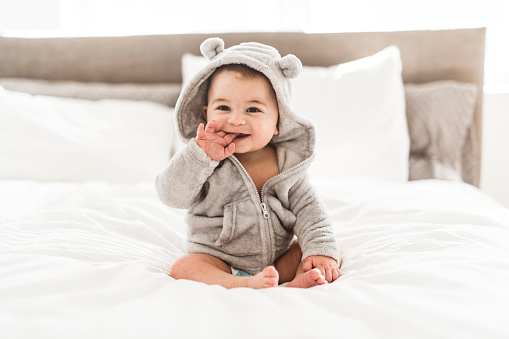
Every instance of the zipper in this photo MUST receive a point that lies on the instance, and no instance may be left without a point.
(264, 210)
(250, 179)
(263, 206)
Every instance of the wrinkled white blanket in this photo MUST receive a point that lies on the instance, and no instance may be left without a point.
(426, 259)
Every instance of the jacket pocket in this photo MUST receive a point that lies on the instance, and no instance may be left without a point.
(241, 229)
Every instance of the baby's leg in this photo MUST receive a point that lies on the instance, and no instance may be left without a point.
(288, 263)
(213, 271)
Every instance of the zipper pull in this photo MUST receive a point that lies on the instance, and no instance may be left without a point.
(264, 210)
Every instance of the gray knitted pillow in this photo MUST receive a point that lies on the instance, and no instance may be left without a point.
(439, 116)
(166, 94)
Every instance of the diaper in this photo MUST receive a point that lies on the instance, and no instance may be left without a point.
(240, 273)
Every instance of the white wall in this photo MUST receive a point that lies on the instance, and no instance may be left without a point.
(495, 148)
(29, 14)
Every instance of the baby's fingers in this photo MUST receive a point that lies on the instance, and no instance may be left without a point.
(200, 131)
(335, 274)
(331, 273)
(228, 138)
(229, 150)
(210, 126)
(308, 265)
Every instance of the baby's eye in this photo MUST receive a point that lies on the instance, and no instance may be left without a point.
(253, 110)
(223, 108)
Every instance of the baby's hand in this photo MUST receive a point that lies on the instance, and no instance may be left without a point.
(217, 145)
(326, 265)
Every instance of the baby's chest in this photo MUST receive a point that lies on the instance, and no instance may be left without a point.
(261, 172)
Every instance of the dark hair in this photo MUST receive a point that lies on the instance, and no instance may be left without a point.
(246, 71)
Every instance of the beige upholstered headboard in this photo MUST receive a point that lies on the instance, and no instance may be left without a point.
(426, 55)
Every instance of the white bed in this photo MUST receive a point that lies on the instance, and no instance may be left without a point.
(425, 259)
(85, 250)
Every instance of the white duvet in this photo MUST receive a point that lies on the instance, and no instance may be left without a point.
(426, 259)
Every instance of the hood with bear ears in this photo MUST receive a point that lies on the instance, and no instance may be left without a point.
(295, 133)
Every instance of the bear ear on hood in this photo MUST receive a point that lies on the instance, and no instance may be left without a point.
(291, 66)
(212, 47)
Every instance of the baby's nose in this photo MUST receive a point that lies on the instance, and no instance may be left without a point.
(236, 119)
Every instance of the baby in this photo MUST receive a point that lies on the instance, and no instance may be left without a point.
(243, 176)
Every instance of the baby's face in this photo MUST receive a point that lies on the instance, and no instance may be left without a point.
(243, 106)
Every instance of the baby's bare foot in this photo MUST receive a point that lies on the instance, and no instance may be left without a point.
(309, 279)
(269, 277)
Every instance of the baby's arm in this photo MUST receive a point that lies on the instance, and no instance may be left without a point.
(217, 145)
(326, 265)
(314, 231)
(180, 184)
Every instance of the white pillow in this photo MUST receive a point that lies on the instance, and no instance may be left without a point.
(358, 109)
(58, 139)
(191, 64)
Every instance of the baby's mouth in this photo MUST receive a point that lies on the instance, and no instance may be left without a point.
(240, 136)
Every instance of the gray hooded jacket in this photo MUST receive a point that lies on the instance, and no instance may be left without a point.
(227, 218)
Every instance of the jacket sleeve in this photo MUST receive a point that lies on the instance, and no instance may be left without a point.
(180, 184)
(313, 228)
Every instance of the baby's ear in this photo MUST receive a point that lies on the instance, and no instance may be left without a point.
(212, 47)
(291, 66)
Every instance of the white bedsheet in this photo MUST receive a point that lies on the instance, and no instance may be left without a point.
(426, 259)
